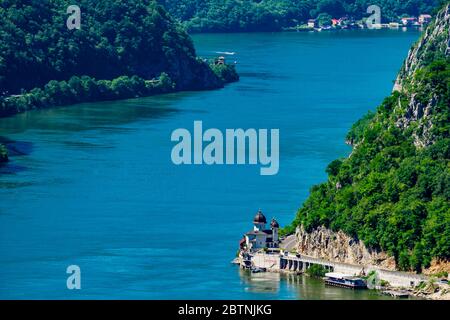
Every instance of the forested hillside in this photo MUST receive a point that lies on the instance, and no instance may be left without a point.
(123, 43)
(393, 192)
(265, 15)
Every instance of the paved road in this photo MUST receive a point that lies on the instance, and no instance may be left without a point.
(289, 243)
(401, 278)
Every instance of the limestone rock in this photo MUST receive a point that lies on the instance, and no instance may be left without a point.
(326, 244)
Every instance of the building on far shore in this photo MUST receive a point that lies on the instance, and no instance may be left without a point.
(343, 21)
(409, 21)
(260, 237)
(425, 19)
(394, 25)
(312, 23)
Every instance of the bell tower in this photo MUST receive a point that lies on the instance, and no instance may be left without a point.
(274, 226)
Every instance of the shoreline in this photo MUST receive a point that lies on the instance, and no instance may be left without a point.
(396, 282)
(86, 89)
(311, 30)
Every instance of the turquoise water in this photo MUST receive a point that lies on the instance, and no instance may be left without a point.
(93, 185)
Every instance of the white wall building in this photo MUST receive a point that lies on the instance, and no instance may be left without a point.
(260, 237)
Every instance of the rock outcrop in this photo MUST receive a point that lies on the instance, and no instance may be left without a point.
(438, 266)
(435, 41)
(334, 246)
(433, 45)
(420, 108)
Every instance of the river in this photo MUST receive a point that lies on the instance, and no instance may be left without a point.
(93, 185)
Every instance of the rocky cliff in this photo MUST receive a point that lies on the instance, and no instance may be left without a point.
(433, 45)
(326, 244)
(391, 197)
(339, 247)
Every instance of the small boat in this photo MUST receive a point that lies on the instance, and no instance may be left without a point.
(344, 281)
(396, 294)
(258, 270)
(226, 53)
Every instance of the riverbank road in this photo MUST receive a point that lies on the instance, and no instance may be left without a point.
(288, 243)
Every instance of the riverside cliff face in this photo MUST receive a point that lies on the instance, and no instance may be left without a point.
(392, 192)
(435, 41)
(323, 243)
(326, 244)
(433, 45)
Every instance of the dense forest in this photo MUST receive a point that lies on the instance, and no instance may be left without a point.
(272, 15)
(124, 48)
(393, 192)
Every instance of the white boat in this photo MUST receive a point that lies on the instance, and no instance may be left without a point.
(226, 53)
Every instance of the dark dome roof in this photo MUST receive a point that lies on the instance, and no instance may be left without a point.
(274, 224)
(260, 218)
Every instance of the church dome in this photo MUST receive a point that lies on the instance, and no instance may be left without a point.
(260, 218)
(274, 224)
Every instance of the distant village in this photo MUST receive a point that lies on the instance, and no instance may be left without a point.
(350, 23)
